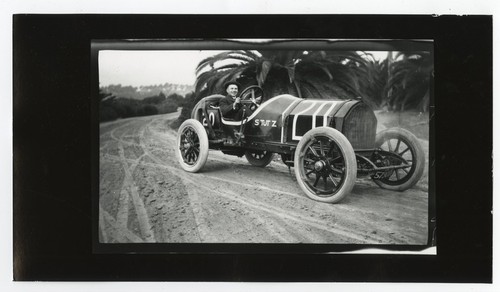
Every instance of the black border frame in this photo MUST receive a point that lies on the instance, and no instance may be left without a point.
(52, 143)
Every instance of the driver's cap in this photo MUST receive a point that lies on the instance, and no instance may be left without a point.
(231, 82)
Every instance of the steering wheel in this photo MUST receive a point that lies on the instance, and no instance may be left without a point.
(251, 92)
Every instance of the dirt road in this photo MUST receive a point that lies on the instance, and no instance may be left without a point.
(146, 197)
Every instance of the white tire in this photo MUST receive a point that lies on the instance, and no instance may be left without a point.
(325, 165)
(192, 145)
(406, 146)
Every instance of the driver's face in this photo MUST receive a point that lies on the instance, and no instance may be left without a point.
(232, 90)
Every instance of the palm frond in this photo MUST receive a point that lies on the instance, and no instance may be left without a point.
(308, 90)
(224, 56)
(262, 72)
(210, 61)
(325, 69)
(252, 54)
(227, 66)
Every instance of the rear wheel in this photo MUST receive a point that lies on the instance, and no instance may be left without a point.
(192, 145)
(260, 158)
(325, 165)
(404, 149)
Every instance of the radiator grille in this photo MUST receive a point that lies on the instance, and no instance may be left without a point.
(360, 126)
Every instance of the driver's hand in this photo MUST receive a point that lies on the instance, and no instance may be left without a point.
(237, 100)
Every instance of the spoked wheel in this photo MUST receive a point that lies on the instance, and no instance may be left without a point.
(251, 92)
(399, 148)
(192, 145)
(325, 165)
(259, 158)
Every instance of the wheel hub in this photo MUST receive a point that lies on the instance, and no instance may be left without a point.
(319, 165)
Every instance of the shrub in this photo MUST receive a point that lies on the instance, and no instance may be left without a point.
(176, 98)
(155, 99)
(148, 110)
(187, 107)
(167, 107)
(126, 107)
(112, 108)
(107, 113)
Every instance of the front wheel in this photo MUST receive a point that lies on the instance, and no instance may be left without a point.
(399, 148)
(259, 158)
(192, 145)
(325, 165)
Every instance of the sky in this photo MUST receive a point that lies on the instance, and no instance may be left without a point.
(149, 67)
(138, 68)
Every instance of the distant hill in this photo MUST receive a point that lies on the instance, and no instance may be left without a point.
(146, 91)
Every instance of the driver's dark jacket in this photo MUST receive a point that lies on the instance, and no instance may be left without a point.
(226, 107)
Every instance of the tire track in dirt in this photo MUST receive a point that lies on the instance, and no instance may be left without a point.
(202, 180)
(128, 190)
(176, 171)
(165, 223)
(282, 213)
(142, 215)
(119, 132)
(119, 233)
(102, 227)
(278, 212)
(199, 223)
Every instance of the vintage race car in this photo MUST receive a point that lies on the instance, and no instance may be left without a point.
(328, 142)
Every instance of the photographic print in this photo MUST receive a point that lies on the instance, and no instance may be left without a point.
(288, 148)
(265, 141)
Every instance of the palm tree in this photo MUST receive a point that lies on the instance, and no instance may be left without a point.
(373, 80)
(399, 85)
(307, 74)
(408, 87)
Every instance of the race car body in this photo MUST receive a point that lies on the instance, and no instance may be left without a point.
(286, 118)
(328, 142)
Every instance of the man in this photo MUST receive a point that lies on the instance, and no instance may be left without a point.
(231, 106)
